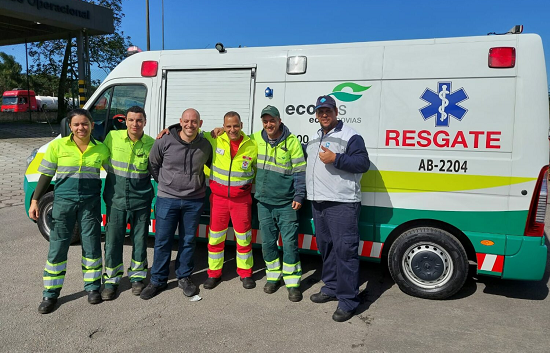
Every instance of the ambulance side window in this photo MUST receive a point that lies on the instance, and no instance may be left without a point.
(114, 101)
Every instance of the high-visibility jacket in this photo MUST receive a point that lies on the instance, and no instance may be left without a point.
(232, 176)
(280, 174)
(77, 172)
(128, 183)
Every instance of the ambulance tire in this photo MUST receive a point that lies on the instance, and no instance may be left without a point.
(45, 221)
(428, 263)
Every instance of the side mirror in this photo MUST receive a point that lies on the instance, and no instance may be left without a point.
(64, 127)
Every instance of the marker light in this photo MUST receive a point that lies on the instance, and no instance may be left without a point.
(296, 65)
(502, 57)
(269, 92)
(149, 68)
(534, 226)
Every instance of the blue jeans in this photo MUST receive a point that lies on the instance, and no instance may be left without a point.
(169, 214)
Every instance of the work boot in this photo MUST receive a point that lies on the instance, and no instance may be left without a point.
(94, 297)
(151, 290)
(189, 288)
(248, 282)
(47, 305)
(137, 287)
(294, 294)
(271, 287)
(211, 282)
(321, 298)
(341, 315)
(108, 293)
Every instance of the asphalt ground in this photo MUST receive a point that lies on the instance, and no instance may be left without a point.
(487, 315)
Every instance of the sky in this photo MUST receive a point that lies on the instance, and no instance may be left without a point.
(201, 24)
(253, 23)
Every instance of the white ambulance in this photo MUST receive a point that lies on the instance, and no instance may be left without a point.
(455, 129)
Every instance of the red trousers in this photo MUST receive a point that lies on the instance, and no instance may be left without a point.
(222, 209)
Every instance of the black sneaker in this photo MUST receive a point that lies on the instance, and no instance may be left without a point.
(137, 287)
(211, 282)
(94, 297)
(271, 287)
(342, 315)
(108, 293)
(189, 288)
(294, 294)
(321, 298)
(151, 290)
(248, 282)
(47, 305)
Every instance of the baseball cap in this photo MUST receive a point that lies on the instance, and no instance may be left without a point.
(325, 101)
(270, 110)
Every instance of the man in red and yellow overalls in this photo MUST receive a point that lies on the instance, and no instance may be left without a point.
(231, 179)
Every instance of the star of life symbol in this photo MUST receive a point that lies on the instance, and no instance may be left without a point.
(443, 104)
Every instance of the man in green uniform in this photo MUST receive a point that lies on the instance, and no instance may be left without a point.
(128, 194)
(280, 191)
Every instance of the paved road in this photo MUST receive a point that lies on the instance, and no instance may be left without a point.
(488, 315)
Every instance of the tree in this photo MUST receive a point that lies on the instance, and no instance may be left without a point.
(106, 51)
(10, 73)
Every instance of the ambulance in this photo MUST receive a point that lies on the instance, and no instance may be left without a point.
(456, 130)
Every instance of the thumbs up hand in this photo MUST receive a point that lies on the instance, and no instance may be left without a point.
(327, 156)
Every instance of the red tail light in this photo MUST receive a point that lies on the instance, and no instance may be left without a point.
(537, 211)
(149, 68)
(502, 57)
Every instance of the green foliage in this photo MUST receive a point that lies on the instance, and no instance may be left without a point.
(10, 73)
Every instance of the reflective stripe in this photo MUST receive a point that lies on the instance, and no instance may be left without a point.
(91, 275)
(111, 272)
(77, 176)
(245, 256)
(46, 164)
(243, 236)
(46, 171)
(298, 169)
(298, 160)
(273, 276)
(125, 165)
(90, 263)
(53, 282)
(271, 159)
(55, 268)
(233, 182)
(233, 173)
(113, 280)
(216, 235)
(136, 265)
(77, 169)
(137, 274)
(292, 268)
(215, 256)
(274, 265)
(131, 175)
(292, 281)
(275, 168)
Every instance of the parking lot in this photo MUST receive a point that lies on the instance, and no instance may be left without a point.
(487, 315)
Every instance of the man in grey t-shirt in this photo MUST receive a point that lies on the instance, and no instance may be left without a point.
(177, 163)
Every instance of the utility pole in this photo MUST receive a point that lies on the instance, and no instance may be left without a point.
(147, 21)
(162, 24)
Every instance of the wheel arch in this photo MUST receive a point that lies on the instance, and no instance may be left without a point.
(462, 238)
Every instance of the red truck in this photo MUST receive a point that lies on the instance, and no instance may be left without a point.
(18, 101)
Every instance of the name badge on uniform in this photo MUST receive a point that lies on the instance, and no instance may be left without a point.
(246, 162)
(220, 151)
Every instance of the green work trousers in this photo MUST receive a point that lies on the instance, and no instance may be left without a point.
(66, 214)
(117, 221)
(274, 219)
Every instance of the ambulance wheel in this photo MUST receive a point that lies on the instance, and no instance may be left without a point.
(428, 263)
(45, 221)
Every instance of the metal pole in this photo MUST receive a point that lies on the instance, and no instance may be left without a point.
(28, 85)
(147, 15)
(81, 69)
(162, 24)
